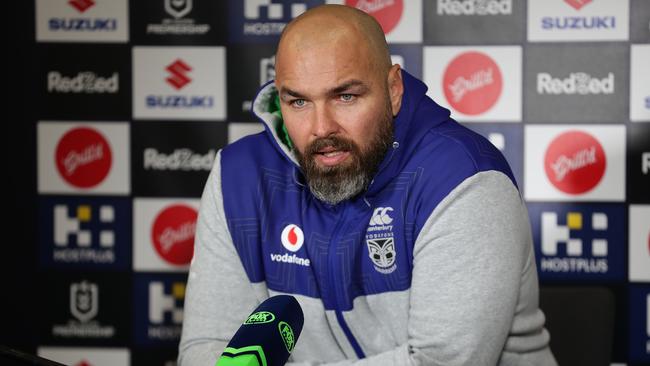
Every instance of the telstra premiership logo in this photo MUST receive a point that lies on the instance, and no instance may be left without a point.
(178, 70)
(81, 5)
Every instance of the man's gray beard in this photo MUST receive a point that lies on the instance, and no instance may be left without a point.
(335, 184)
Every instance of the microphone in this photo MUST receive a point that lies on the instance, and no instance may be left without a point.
(267, 336)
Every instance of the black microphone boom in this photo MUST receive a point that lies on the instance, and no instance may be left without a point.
(267, 336)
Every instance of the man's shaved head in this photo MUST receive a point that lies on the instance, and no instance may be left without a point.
(338, 96)
(327, 23)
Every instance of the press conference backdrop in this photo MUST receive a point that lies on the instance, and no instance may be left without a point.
(135, 98)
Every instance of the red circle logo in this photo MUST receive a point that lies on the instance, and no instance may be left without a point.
(292, 238)
(472, 83)
(387, 12)
(173, 234)
(83, 157)
(575, 162)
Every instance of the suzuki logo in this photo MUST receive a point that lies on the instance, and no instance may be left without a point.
(178, 69)
(577, 4)
(81, 5)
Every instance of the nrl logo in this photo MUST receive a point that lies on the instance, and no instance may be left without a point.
(382, 253)
(83, 300)
(178, 8)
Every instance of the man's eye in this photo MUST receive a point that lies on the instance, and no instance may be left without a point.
(347, 97)
(299, 103)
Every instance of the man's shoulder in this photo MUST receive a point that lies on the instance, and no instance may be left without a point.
(451, 148)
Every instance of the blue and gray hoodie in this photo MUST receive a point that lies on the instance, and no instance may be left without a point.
(432, 265)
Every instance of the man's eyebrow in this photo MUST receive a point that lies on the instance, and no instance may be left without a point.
(334, 91)
(290, 92)
(347, 85)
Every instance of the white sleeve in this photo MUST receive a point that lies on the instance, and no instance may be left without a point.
(219, 295)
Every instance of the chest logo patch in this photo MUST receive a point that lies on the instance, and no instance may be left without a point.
(292, 238)
(380, 240)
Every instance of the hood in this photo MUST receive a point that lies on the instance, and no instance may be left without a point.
(417, 115)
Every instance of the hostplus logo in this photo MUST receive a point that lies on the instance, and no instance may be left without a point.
(173, 232)
(388, 13)
(165, 311)
(577, 83)
(472, 83)
(267, 73)
(580, 255)
(84, 306)
(474, 7)
(578, 22)
(75, 24)
(182, 159)
(74, 243)
(292, 239)
(266, 18)
(575, 162)
(83, 157)
(380, 240)
(178, 79)
(179, 23)
(86, 82)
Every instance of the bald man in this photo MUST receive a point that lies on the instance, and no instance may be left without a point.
(401, 233)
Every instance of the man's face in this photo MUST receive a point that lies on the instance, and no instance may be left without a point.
(337, 110)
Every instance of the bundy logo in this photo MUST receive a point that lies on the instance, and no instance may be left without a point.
(82, 24)
(66, 227)
(84, 82)
(553, 234)
(577, 22)
(160, 304)
(81, 5)
(178, 79)
(179, 159)
(579, 83)
(274, 12)
(84, 306)
(178, 24)
(474, 7)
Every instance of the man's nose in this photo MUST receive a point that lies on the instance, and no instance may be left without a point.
(324, 122)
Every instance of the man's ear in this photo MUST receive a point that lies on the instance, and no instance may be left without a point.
(395, 88)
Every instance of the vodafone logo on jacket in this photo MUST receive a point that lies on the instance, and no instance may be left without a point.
(83, 158)
(476, 83)
(292, 238)
(574, 163)
(401, 20)
(472, 83)
(163, 233)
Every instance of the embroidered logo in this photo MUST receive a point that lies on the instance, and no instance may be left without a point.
(380, 240)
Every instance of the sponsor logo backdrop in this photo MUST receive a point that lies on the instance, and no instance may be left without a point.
(135, 98)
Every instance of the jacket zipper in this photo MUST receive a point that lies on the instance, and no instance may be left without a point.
(333, 269)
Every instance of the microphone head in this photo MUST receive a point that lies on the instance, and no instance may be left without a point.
(267, 336)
